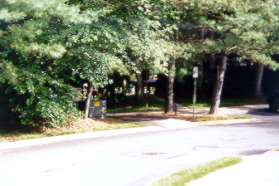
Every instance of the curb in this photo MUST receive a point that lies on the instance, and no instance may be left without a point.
(70, 137)
(7, 146)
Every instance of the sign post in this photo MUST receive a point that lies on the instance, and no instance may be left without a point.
(195, 77)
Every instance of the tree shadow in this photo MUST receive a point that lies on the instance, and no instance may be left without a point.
(262, 112)
(138, 117)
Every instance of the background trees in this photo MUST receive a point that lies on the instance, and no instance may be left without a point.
(32, 46)
(48, 49)
(232, 29)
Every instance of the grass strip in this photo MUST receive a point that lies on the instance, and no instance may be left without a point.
(25, 135)
(218, 118)
(184, 177)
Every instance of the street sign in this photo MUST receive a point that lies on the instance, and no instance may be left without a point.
(195, 72)
(98, 109)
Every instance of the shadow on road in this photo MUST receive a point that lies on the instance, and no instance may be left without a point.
(262, 112)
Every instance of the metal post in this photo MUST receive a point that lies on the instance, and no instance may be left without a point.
(195, 77)
(194, 97)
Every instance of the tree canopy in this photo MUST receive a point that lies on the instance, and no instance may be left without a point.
(48, 48)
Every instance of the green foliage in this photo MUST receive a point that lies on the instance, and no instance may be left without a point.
(242, 28)
(38, 98)
(49, 47)
(34, 46)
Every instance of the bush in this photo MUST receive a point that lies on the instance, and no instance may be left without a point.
(51, 113)
(38, 98)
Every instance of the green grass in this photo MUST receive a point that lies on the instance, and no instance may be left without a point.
(128, 105)
(128, 109)
(241, 101)
(16, 135)
(182, 178)
(226, 102)
(198, 106)
(116, 126)
(217, 118)
(153, 103)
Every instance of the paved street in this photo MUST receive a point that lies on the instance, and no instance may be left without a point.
(132, 159)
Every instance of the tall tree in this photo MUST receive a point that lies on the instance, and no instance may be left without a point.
(240, 28)
(47, 48)
(170, 87)
(32, 45)
(259, 80)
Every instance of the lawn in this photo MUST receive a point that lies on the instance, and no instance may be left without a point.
(226, 102)
(153, 103)
(184, 177)
(81, 126)
(150, 103)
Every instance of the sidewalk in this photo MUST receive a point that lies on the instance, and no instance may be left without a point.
(257, 170)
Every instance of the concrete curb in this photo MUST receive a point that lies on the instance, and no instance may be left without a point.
(65, 138)
(6, 146)
(158, 126)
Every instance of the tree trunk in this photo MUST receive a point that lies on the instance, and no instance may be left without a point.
(170, 95)
(212, 61)
(201, 65)
(139, 88)
(88, 101)
(218, 88)
(259, 80)
(201, 76)
(212, 58)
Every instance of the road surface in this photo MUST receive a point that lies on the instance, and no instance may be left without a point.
(132, 160)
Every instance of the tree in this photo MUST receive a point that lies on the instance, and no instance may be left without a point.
(259, 80)
(144, 51)
(173, 52)
(240, 28)
(47, 47)
(170, 86)
(149, 41)
(172, 47)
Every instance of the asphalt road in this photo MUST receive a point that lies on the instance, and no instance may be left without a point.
(132, 160)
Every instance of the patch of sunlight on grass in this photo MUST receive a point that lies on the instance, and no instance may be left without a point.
(19, 135)
(115, 126)
(183, 177)
(129, 109)
(218, 118)
(14, 136)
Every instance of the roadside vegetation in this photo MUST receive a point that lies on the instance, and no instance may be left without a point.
(128, 104)
(81, 126)
(184, 177)
(58, 56)
(153, 103)
(226, 102)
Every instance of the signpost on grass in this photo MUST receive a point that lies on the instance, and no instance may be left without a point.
(195, 77)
